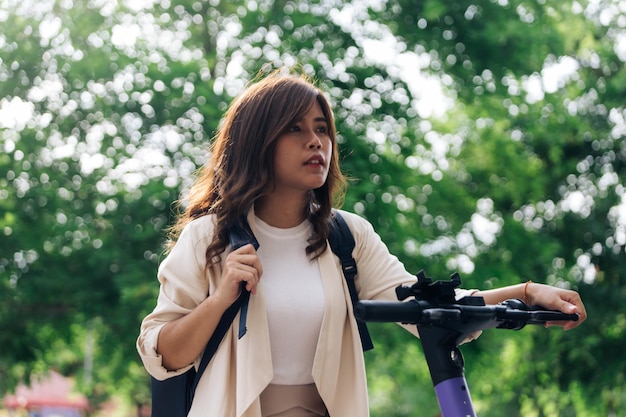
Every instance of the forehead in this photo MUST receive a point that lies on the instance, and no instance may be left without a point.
(314, 111)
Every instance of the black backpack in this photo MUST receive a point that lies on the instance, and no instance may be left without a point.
(172, 397)
(342, 243)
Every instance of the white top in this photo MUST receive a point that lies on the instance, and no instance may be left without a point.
(292, 287)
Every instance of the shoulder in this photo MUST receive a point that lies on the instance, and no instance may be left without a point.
(203, 222)
(200, 229)
(353, 218)
(359, 226)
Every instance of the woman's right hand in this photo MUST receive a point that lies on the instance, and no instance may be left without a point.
(241, 265)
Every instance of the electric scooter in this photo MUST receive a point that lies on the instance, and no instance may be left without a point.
(444, 323)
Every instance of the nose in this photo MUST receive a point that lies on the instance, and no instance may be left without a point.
(314, 141)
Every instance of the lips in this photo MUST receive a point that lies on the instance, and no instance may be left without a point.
(315, 160)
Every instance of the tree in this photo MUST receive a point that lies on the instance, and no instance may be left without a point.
(482, 137)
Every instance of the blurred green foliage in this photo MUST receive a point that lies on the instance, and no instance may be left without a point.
(482, 137)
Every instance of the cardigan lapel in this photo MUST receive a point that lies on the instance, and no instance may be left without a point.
(338, 368)
(254, 357)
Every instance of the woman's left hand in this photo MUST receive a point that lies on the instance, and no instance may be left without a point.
(554, 298)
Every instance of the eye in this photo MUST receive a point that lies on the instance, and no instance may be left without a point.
(294, 128)
(322, 129)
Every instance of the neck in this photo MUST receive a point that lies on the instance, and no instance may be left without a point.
(282, 212)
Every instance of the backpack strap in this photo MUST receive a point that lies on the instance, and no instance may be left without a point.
(342, 243)
(239, 235)
(216, 339)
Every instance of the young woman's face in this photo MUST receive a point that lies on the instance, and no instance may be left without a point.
(303, 153)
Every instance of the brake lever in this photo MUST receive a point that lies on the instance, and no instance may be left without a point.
(518, 314)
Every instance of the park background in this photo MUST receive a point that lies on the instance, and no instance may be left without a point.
(485, 137)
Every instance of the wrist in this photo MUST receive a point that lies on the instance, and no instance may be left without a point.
(216, 303)
(526, 296)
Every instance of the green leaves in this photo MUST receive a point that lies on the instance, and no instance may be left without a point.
(107, 110)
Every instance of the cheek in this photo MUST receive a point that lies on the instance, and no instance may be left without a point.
(280, 152)
(285, 153)
(328, 149)
(282, 160)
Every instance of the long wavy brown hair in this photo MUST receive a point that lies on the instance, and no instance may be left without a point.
(241, 164)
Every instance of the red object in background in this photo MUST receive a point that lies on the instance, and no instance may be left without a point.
(54, 391)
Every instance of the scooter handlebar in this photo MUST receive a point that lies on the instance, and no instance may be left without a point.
(511, 314)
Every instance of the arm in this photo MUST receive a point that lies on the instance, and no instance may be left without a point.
(549, 297)
(191, 300)
(380, 273)
(181, 341)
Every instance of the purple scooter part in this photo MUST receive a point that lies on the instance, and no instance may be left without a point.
(454, 398)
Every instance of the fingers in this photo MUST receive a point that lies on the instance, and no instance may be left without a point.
(241, 266)
(569, 302)
(245, 273)
(473, 336)
(573, 305)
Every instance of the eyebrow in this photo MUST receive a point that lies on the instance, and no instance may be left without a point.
(322, 119)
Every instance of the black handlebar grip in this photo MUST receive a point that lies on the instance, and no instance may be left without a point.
(388, 311)
(544, 316)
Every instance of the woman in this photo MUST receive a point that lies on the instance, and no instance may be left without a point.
(274, 161)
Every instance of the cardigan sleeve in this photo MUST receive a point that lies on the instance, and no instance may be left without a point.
(379, 271)
(184, 283)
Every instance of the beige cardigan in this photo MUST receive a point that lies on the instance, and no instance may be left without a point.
(241, 369)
